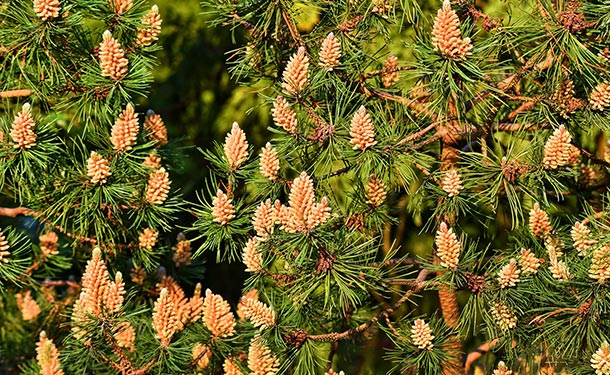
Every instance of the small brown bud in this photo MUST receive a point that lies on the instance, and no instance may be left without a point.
(138, 275)
(390, 71)
(182, 251)
(382, 7)
(563, 98)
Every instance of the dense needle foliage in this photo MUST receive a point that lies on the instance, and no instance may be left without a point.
(432, 197)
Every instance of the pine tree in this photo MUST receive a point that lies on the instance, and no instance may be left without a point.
(414, 154)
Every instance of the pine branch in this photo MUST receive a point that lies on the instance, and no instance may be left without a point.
(338, 336)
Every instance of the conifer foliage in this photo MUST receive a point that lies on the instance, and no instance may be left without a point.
(431, 197)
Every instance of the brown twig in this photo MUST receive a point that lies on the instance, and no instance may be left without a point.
(14, 211)
(425, 142)
(60, 283)
(251, 28)
(291, 27)
(513, 127)
(62, 230)
(337, 172)
(592, 157)
(15, 93)
(478, 352)
(374, 73)
(417, 135)
(415, 105)
(539, 319)
(393, 261)
(524, 107)
(596, 216)
(17, 211)
(337, 336)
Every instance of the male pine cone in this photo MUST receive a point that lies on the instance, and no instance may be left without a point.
(446, 35)
(112, 57)
(46, 9)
